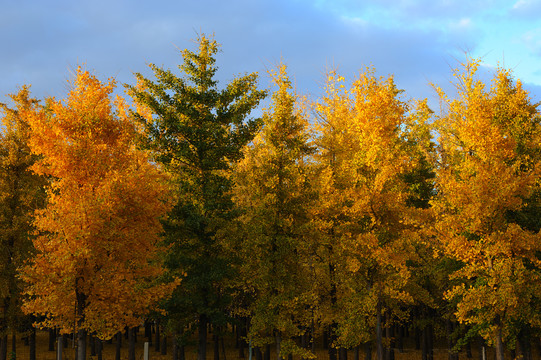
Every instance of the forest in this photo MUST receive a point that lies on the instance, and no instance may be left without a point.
(356, 219)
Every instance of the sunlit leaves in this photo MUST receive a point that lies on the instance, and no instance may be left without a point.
(489, 149)
(97, 236)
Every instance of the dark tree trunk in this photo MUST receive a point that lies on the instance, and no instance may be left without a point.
(424, 343)
(148, 332)
(32, 344)
(181, 350)
(131, 345)
(52, 339)
(333, 353)
(418, 338)
(92, 340)
(13, 345)
(118, 345)
(368, 351)
(216, 347)
(163, 346)
(499, 346)
(379, 334)
(241, 343)
(258, 354)
(389, 334)
(450, 326)
(524, 343)
(157, 342)
(278, 343)
(469, 354)
(401, 334)
(81, 345)
(356, 355)
(99, 346)
(4, 347)
(343, 354)
(482, 349)
(223, 349)
(267, 354)
(202, 348)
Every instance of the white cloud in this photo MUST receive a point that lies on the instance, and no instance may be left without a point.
(532, 40)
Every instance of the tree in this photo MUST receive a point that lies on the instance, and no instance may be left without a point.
(96, 246)
(489, 151)
(273, 192)
(21, 192)
(368, 226)
(197, 131)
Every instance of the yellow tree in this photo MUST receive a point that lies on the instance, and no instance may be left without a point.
(273, 191)
(365, 218)
(97, 255)
(489, 150)
(21, 192)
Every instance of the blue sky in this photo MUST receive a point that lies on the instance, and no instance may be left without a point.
(417, 41)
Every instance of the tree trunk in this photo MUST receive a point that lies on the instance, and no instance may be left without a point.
(241, 343)
(148, 332)
(368, 351)
(157, 342)
(258, 354)
(482, 348)
(216, 348)
(99, 346)
(13, 345)
(52, 339)
(181, 350)
(278, 344)
(499, 346)
(389, 334)
(118, 345)
(163, 346)
(379, 334)
(32, 344)
(4, 347)
(469, 354)
(81, 345)
(451, 328)
(202, 349)
(131, 345)
(267, 354)
(343, 354)
(333, 354)
(424, 343)
(524, 343)
(92, 340)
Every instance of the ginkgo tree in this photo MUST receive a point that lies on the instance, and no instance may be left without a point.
(97, 258)
(365, 220)
(21, 192)
(489, 139)
(273, 191)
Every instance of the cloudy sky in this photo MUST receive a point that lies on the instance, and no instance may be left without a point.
(418, 41)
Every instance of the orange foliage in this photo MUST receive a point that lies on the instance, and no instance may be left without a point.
(97, 260)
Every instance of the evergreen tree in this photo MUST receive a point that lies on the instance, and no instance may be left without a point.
(196, 132)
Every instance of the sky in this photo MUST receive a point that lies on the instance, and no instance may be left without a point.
(418, 42)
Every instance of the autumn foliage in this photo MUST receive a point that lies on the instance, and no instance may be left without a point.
(351, 216)
(97, 259)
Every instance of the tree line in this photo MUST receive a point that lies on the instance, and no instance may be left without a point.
(352, 216)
